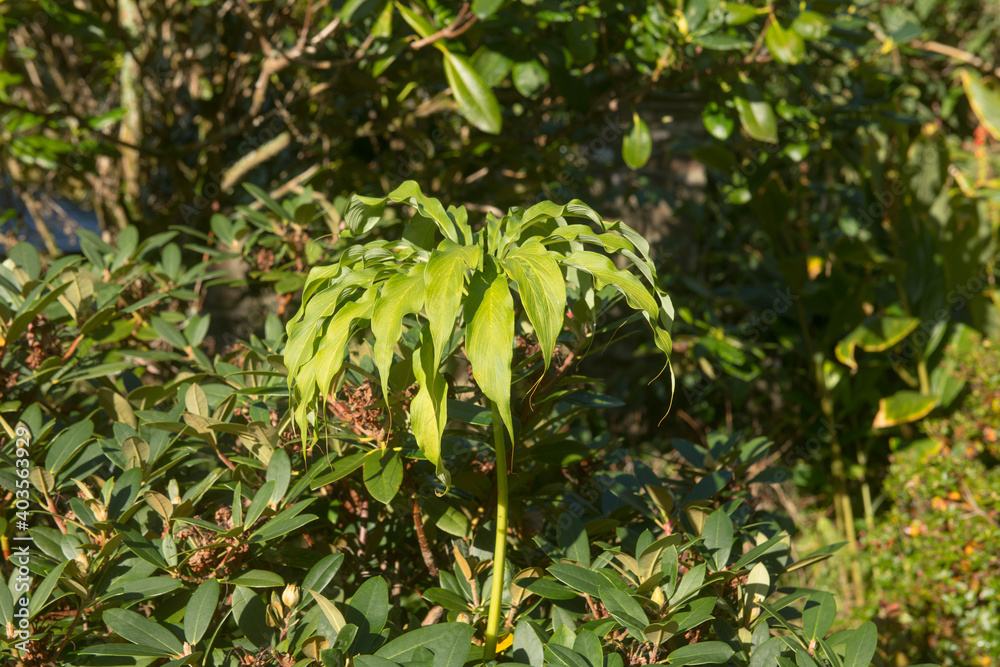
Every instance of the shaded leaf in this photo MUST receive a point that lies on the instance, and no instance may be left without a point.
(141, 630)
(200, 610)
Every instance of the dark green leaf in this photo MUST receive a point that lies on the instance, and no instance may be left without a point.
(383, 476)
(200, 610)
(702, 653)
(142, 631)
(718, 534)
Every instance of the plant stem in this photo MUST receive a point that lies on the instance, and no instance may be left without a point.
(500, 548)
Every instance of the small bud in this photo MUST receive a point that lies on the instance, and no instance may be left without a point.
(83, 562)
(277, 611)
(291, 595)
(100, 511)
(11, 633)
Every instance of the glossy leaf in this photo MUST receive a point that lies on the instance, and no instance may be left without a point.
(323, 572)
(638, 144)
(449, 642)
(492, 66)
(625, 610)
(369, 608)
(861, 646)
(142, 631)
(718, 534)
(756, 115)
(483, 9)
(785, 45)
(475, 101)
(701, 653)
(818, 615)
(811, 25)
(200, 610)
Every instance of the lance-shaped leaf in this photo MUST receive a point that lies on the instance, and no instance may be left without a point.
(640, 243)
(475, 100)
(444, 279)
(318, 278)
(605, 273)
(142, 631)
(876, 334)
(409, 193)
(330, 355)
(542, 289)
(402, 294)
(489, 338)
(985, 103)
(547, 210)
(429, 408)
(305, 327)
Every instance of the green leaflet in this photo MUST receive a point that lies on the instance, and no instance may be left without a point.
(787, 46)
(610, 242)
(542, 289)
(638, 144)
(903, 407)
(756, 115)
(861, 646)
(409, 193)
(330, 355)
(401, 295)
(302, 334)
(318, 275)
(605, 273)
(544, 210)
(444, 279)
(429, 408)
(475, 100)
(363, 213)
(640, 243)
(489, 338)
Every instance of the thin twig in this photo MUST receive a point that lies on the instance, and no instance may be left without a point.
(955, 54)
(463, 21)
